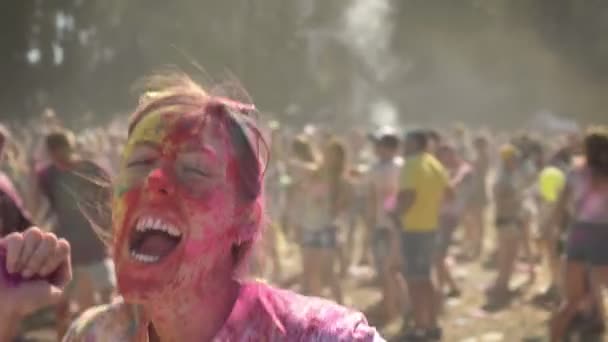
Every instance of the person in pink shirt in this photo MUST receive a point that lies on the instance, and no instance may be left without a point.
(187, 210)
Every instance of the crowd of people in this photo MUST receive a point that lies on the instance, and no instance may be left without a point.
(135, 230)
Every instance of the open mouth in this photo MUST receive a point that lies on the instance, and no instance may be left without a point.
(153, 239)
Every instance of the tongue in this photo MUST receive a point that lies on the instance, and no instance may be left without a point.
(157, 244)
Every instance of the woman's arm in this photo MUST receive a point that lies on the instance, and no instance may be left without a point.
(27, 261)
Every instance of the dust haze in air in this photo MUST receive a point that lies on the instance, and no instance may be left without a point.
(439, 70)
(493, 62)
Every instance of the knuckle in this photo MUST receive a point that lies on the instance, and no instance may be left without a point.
(33, 230)
(49, 240)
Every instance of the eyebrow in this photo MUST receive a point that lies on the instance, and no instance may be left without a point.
(205, 149)
(147, 144)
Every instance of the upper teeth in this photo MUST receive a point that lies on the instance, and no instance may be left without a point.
(151, 223)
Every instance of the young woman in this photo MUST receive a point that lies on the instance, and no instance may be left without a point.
(475, 216)
(186, 212)
(586, 197)
(321, 195)
(452, 211)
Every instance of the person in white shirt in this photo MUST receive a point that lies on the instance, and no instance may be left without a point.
(383, 187)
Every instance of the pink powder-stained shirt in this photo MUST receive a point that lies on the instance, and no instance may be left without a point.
(262, 313)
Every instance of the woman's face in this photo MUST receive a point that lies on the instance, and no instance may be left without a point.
(174, 205)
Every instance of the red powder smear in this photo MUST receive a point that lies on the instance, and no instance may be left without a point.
(185, 128)
(209, 244)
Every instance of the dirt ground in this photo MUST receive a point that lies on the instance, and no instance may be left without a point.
(464, 319)
(467, 318)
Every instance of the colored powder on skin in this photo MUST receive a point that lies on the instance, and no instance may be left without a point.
(150, 130)
(121, 189)
(173, 132)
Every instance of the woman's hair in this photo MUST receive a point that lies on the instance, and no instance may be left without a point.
(59, 140)
(433, 135)
(419, 137)
(480, 140)
(4, 137)
(596, 150)
(335, 157)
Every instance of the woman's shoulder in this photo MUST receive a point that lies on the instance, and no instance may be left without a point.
(311, 318)
(111, 322)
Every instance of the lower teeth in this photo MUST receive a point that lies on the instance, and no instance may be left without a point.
(144, 258)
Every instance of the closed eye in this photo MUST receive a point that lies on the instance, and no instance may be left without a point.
(141, 162)
(196, 171)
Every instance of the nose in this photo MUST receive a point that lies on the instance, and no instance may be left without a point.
(159, 182)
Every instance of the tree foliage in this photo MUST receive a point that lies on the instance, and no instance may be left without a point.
(473, 59)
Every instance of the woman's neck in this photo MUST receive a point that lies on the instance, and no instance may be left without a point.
(196, 315)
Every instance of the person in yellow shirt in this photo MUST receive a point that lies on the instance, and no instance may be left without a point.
(551, 181)
(423, 184)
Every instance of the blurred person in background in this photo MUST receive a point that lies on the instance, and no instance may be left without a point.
(74, 186)
(434, 141)
(423, 185)
(320, 206)
(532, 162)
(302, 210)
(342, 195)
(13, 215)
(550, 183)
(383, 188)
(462, 142)
(509, 187)
(355, 218)
(586, 197)
(452, 210)
(474, 219)
(303, 161)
